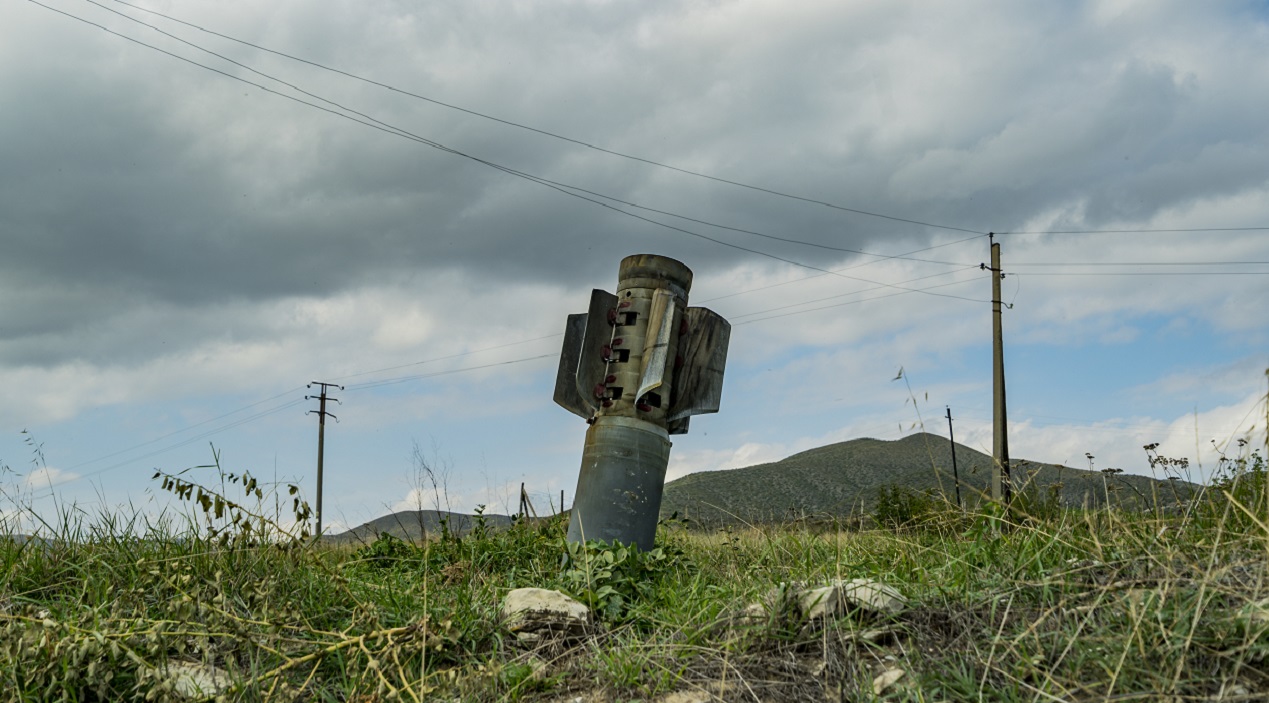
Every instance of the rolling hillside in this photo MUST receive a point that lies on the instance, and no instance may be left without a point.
(414, 525)
(836, 480)
(844, 478)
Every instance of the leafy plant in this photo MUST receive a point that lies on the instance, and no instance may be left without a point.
(386, 551)
(901, 507)
(1241, 487)
(610, 577)
(234, 523)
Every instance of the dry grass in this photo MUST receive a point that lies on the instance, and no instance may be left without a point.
(1077, 605)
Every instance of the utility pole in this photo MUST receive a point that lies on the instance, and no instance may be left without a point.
(1001, 489)
(321, 440)
(955, 474)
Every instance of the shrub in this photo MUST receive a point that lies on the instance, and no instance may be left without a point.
(901, 507)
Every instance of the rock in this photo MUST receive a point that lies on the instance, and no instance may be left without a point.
(534, 613)
(820, 603)
(832, 600)
(794, 604)
(874, 596)
(194, 680)
(1257, 612)
(686, 697)
(887, 679)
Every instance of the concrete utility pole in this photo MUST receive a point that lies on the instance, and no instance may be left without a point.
(1001, 488)
(321, 440)
(637, 366)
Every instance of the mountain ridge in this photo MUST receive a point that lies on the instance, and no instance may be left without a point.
(842, 479)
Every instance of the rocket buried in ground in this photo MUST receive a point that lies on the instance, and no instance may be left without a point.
(636, 365)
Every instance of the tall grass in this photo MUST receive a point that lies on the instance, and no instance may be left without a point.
(1039, 604)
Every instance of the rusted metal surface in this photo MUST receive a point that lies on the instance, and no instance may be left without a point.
(622, 477)
(656, 342)
(567, 394)
(582, 363)
(699, 386)
(620, 368)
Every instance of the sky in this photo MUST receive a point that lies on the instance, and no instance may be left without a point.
(204, 206)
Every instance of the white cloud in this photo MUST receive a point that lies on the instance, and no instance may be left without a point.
(189, 244)
(46, 476)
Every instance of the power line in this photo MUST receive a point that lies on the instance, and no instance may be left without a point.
(1142, 231)
(398, 380)
(396, 131)
(857, 292)
(749, 231)
(542, 179)
(1143, 273)
(183, 429)
(418, 377)
(164, 450)
(1143, 263)
(450, 356)
(1118, 424)
(852, 302)
(545, 132)
(819, 275)
(403, 379)
(257, 416)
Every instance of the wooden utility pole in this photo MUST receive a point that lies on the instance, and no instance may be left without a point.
(956, 477)
(321, 440)
(1001, 489)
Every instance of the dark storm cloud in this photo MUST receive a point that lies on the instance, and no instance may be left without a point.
(130, 177)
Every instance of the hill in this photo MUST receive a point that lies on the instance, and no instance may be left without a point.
(837, 480)
(844, 479)
(414, 525)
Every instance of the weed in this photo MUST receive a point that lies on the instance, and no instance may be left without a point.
(610, 578)
(1036, 602)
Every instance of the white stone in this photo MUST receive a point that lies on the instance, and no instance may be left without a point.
(887, 679)
(873, 595)
(822, 602)
(197, 680)
(529, 612)
(829, 601)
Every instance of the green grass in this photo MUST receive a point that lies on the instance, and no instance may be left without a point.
(1063, 604)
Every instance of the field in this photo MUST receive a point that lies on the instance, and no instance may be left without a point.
(1039, 603)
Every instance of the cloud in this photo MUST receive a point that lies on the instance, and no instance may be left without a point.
(46, 476)
(178, 244)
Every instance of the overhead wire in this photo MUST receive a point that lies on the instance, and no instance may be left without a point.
(855, 292)
(1143, 273)
(820, 275)
(540, 178)
(183, 429)
(1139, 263)
(404, 379)
(396, 131)
(632, 157)
(1141, 231)
(448, 357)
(560, 186)
(417, 377)
(164, 450)
(549, 133)
(851, 302)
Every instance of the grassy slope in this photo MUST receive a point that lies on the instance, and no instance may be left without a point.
(1085, 605)
(842, 478)
(414, 525)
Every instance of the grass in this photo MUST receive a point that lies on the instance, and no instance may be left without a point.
(1064, 604)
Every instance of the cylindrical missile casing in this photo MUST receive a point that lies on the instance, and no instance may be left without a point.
(627, 450)
(619, 489)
